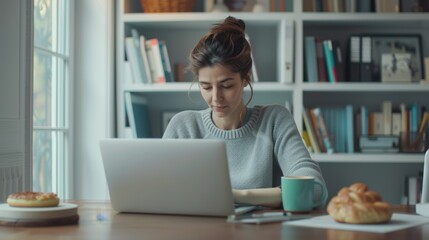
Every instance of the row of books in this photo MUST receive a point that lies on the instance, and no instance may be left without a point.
(370, 58)
(379, 6)
(346, 130)
(148, 58)
(281, 5)
(328, 130)
(324, 61)
(413, 189)
(137, 115)
(392, 120)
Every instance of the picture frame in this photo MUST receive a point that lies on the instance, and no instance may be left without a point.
(396, 58)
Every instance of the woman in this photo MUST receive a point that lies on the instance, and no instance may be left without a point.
(257, 138)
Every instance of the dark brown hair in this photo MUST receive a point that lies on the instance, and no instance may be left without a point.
(224, 44)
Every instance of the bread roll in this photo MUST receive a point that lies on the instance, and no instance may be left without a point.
(33, 199)
(357, 204)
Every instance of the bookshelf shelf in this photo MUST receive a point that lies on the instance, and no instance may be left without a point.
(278, 43)
(368, 158)
(193, 87)
(365, 87)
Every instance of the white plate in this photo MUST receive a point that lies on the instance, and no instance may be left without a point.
(25, 213)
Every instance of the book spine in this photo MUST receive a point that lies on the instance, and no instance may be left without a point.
(132, 58)
(321, 64)
(146, 67)
(330, 63)
(387, 117)
(323, 130)
(310, 59)
(310, 131)
(159, 76)
(165, 61)
(139, 56)
(350, 135)
(317, 132)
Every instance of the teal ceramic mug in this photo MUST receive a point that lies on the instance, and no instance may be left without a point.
(297, 193)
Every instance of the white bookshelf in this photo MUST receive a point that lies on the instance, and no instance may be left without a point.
(267, 33)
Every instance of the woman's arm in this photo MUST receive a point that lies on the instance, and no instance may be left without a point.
(268, 197)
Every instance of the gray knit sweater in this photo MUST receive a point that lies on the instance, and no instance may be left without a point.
(269, 136)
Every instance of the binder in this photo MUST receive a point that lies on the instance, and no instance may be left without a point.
(365, 66)
(354, 58)
(339, 60)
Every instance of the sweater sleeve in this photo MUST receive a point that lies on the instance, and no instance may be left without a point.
(292, 155)
(185, 124)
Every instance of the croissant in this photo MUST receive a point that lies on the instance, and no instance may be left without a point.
(358, 205)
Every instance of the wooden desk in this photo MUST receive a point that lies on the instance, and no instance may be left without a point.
(147, 226)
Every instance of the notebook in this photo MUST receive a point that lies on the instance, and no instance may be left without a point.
(168, 176)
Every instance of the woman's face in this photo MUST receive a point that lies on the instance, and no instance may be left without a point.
(223, 91)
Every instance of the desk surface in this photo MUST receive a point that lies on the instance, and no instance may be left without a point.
(147, 226)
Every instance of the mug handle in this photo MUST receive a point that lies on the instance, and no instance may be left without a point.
(324, 192)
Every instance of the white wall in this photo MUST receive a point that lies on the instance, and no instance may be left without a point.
(93, 94)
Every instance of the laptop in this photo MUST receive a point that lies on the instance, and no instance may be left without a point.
(168, 176)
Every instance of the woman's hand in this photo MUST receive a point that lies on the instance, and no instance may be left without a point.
(268, 197)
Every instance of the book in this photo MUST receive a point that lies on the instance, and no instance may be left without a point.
(364, 6)
(349, 128)
(414, 117)
(386, 107)
(310, 131)
(379, 141)
(396, 123)
(321, 64)
(141, 56)
(165, 61)
(339, 5)
(404, 117)
(310, 59)
(135, 64)
(137, 110)
(308, 5)
(386, 6)
(323, 129)
(364, 121)
(354, 58)
(410, 6)
(317, 132)
(350, 6)
(145, 60)
(378, 121)
(154, 55)
(330, 62)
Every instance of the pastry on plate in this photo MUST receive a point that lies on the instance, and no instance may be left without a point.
(33, 199)
(358, 205)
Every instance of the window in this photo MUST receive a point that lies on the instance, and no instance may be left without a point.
(51, 96)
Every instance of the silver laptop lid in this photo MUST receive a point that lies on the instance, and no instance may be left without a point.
(168, 176)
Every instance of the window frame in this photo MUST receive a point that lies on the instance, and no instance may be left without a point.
(62, 168)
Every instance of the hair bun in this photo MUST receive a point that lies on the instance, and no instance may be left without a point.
(235, 22)
(230, 24)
